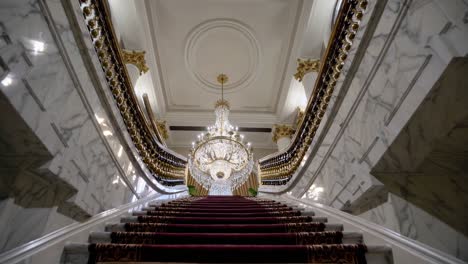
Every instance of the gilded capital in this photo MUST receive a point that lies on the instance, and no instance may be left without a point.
(299, 117)
(280, 131)
(136, 58)
(305, 66)
(162, 129)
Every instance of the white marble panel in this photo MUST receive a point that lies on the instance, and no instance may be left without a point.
(19, 225)
(412, 44)
(56, 95)
(408, 220)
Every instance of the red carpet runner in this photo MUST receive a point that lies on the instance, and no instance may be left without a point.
(218, 229)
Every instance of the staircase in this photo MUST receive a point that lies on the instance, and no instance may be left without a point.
(222, 229)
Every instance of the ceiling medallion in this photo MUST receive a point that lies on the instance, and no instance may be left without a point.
(220, 161)
(206, 47)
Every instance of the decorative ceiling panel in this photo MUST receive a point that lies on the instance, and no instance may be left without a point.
(196, 40)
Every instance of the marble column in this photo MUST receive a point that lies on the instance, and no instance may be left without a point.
(133, 73)
(308, 82)
(282, 135)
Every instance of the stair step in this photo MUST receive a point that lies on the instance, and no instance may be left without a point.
(223, 229)
(105, 237)
(219, 228)
(145, 211)
(220, 214)
(234, 220)
(78, 253)
(151, 207)
(222, 220)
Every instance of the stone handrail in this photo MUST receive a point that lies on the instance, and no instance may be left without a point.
(420, 252)
(51, 240)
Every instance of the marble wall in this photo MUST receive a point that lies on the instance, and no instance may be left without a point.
(400, 55)
(403, 217)
(55, 90)
(425, 164)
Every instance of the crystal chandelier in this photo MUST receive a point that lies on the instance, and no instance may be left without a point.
(220, 161)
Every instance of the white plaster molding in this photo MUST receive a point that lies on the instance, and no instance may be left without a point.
(192, 44)
(163, 95)
(296, 42)
(144, 9)
(201, 118)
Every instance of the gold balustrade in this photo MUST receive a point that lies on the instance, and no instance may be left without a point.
(279, 169)
(166, 167)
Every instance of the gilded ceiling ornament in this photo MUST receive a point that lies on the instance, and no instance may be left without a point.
(136, 58)
(222, 78)
(305, 66)
(280, 131)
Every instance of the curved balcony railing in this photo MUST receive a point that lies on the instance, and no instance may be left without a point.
(279, 168)
(167, 167)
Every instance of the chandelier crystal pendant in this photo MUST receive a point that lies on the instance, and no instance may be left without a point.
(220, 161)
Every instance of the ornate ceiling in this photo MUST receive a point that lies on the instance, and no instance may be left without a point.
(188, 43)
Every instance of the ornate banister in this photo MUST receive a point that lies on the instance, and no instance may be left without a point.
(167, 167)
(279, 168)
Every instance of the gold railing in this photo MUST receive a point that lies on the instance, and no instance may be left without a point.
(279, 169)
(167, 168)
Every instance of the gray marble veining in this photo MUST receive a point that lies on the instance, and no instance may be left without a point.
(412, 44)
(55, 96)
